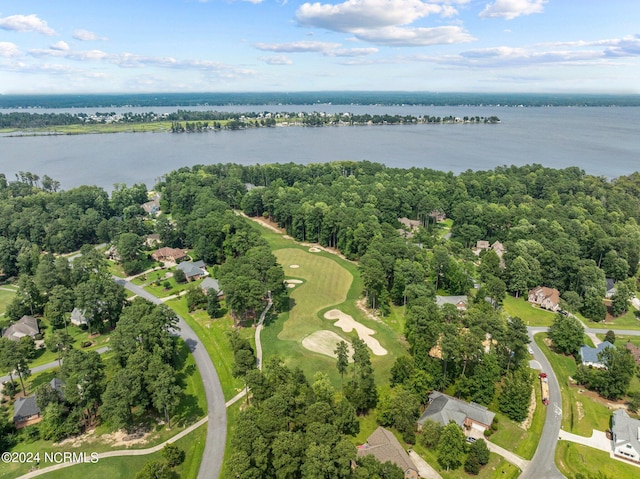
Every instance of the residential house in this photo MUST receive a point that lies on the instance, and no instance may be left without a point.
(193, 270)
(211, 283)
(438, 215)
(152, 240)
(409, 224)
(482, 245)
(498, 248)
(25, 326)
(384, 446)
(78, 317)
(152, 207)
(26, 411)
(459, 302)
(546, 298)
(611, 288)
(444, 409)
(626, 436)
(589, 355)
(58, 386)
(169, 254)
(634, 350)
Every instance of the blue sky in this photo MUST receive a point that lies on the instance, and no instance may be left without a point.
(289, 45)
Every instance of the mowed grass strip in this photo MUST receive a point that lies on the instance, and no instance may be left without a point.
(572, 458)
(326, 284)
(524, 310)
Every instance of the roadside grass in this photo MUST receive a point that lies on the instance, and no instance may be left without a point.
(572, 458)
(232, 415)
(6, 296)
(626, 321)
(530, 315)
(515, 439)
(212, 333)
(125, 467)
(580, 413)
(496, 468)
(152, 276)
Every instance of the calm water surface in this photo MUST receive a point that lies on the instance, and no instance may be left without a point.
(602, 141)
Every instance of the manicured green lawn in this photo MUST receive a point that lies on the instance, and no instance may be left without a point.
(6, 296)
(522, 308)
(212, 333)
(580, 413)
(572, 458)
(496, 468)
(515, 439)
(626, 321)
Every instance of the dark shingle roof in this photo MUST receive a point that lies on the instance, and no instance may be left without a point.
(443, 409)
(25, 407)
(590, 355)
(384, 446)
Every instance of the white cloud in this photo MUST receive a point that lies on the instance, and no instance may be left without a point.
(61, 46)
(351, 52)
(87, 36)
(510, 9)
(8, 49)
(422, 36)
(277, 60)
(26, 23)
(625, 47)
(367, 14)
(298, 47)
(386, 22)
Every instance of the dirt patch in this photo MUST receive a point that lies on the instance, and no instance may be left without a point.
(362, 306)
(580, 409)
(116, 439)
(348, 324)
(325, 342)
(526, 424)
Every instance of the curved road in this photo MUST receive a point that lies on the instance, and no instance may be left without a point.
(213, 453)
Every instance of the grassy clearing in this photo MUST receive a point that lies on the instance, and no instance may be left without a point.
(496, 468)
(580, 413)
(6, 296)
(515, 439)
(626, 321)
(572, 458)
(212, 333)
(125, 467)
(530, 315)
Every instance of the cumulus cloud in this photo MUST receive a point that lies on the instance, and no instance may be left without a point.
(510, 9)
(87, 36)
(385, 22)
(625, 47)
(351, 52)
(26, 23)
(8, 49)
(277, 60)
(61, 46)
(298, 47)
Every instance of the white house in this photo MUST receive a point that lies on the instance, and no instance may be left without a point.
(626, 436)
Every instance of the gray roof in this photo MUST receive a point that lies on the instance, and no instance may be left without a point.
(590, 355)
(78, 316)
(444, 409)
(211, 283)
(625, 429)
(384, 446)
(25, 407)
(191, 269)
(442, 300)
(25, 326)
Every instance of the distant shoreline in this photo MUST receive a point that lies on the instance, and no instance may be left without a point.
(390, 98)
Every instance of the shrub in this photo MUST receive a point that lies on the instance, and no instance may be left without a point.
(86, 344)
(173, 455)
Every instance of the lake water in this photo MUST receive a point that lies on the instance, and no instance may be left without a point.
(603, 141)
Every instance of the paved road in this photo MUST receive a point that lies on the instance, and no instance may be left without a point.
(213, 453)
(542, 464)
(51, 365)
(258, 331)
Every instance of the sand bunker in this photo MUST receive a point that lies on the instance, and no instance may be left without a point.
(324, 342)
(313, 249)
(348, 324)
(294, 266)
(292, 283)
(289, 285)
